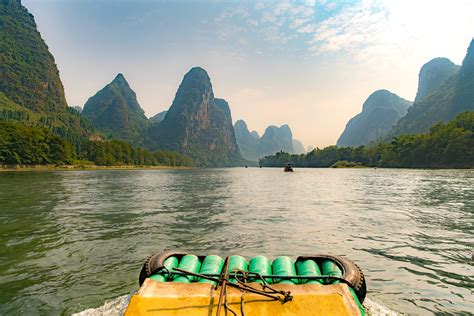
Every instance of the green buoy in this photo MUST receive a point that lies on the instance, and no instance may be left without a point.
(330, 268)
(170, 263)
(212, 264)
(189, 263)
(283, 266)
(260, 265)
(308, 268)
(237, 263)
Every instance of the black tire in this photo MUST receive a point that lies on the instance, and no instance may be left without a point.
(350, 272)
(353, 274)
(153, 264)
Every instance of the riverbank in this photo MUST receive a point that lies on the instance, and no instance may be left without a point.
(20, 168)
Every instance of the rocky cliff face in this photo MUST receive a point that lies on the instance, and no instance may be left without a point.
(255, 134)
(454, 95)
(298, 147)
(464, 93)
(30, 88)
(158, 118)
(247, 141)
(380, 112)
(115, 111)
(29, 76)
(275, 139)
(433, 74)
(198, 125)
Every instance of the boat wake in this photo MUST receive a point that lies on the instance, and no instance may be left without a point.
(117, 307)
(375, 309)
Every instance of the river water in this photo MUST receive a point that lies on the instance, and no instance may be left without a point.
(72, 240)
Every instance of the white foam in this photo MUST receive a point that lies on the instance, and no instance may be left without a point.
(375, 309)
(115, 307)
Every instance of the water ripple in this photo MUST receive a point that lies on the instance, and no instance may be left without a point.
(73, 240)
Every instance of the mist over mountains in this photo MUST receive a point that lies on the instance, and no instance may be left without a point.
(274, 139)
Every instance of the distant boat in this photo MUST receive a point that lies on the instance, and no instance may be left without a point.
(288, 168)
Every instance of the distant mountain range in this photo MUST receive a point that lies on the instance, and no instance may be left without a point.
(444, 91)
(197, 124)
(380, 112)
(275, 139)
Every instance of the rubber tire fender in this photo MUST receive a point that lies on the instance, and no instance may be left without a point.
(351, 273)
(154, 263)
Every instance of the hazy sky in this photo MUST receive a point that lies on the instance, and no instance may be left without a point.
(310, 64)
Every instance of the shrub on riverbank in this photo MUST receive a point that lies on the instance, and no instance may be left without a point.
(347, 164)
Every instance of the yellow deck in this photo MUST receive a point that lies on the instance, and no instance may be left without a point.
(156, 298)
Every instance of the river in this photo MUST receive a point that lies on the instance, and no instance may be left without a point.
(71, 240)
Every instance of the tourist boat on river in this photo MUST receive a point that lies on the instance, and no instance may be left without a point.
(288, 168)
(174, 283)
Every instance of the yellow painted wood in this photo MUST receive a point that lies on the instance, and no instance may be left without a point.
(155, 298)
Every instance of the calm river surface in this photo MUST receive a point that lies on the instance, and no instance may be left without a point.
(72, 240)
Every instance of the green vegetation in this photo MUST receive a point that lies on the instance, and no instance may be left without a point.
(111, 153)
(29, 76)
(442, 102)
(30, 88)
(346, 164)
(31, 145)
(115, 111)
(447, 145)
(21, 144)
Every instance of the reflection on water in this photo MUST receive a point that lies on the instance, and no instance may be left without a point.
(72, 240)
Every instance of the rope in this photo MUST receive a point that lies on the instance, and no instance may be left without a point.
(223, 279)
(242, 286)
(286, 294)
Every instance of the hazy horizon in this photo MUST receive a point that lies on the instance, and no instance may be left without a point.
(308, 64)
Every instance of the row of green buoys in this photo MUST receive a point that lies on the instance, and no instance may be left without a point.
(281, 266)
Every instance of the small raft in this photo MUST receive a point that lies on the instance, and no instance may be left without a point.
(174, 283)
(288, 168)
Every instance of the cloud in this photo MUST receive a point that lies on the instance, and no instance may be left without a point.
(353, 29)
(383, 29)
(364, 30)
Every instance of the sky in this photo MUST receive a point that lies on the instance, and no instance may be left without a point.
(309, 64)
